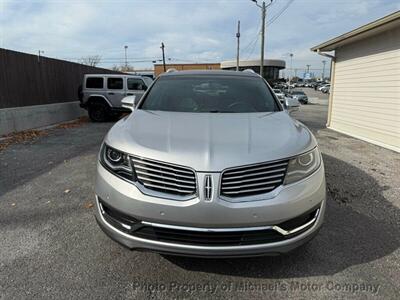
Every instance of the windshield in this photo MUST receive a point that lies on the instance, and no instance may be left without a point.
(210, 93)
(298, 93)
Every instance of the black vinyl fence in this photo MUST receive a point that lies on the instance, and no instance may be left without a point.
(26, 79)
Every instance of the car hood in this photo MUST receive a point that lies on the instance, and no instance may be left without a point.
(210, 141)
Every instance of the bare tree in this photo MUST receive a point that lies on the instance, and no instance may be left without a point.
(127, 68)
(123, 68)
(91, 60)
(115, 68)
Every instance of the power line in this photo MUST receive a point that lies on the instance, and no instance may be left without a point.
(272, 20)
(137, 59)
(254, 42)
(244, 49)
(303, 69)
(257, 35)
(110, 58)
(122, 62)
(254, 46)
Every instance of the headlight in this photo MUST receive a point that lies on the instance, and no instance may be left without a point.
(114, 156)
(302, 166)
(117, 162)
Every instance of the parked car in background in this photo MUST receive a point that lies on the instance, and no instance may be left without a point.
(293, 103)
(280, 86)
(309, 84)
(279, 94)
(319, 84)
(209, 164)
(287, 101)
(314, 85)
(323, 86)
(326, 88)
(101, 94)
(299, 96)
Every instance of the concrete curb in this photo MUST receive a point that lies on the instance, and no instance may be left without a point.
(29, 117)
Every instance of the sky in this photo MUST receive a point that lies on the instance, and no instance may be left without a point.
(192, 31)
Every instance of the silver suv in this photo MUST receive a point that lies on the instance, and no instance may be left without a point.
(101, 94)
(210, 164)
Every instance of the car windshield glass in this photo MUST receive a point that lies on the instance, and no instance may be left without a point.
(210, 93)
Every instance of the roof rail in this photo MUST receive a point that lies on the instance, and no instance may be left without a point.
(170, 70)
(249, 71)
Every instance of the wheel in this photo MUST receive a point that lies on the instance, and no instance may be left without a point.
(98, 112)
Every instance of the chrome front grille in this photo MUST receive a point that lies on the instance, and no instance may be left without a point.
(253, 179)
(163, 177)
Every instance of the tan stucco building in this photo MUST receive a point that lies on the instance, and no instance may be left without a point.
(271, 67)
(365, 95)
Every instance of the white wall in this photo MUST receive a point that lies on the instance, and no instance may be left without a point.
(366, 91)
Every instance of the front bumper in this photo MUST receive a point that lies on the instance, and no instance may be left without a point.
(289, 203)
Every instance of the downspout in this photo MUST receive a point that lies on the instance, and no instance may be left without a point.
(333, 64)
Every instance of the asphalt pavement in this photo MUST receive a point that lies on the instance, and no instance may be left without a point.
(51, 246)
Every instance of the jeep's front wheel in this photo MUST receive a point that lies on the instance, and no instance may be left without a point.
(98, 112)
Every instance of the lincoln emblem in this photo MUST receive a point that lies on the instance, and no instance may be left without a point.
(207, 187)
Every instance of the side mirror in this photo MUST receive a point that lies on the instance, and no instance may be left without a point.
(291, 105)
(129, 102)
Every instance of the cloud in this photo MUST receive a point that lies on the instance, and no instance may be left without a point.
(191, 30)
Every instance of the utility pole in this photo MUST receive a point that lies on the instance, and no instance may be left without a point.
(126, 58)
(238, 46)
(39, 52)
(323, 69)
(163, 56)
(291, 69)
(263, 13)
(263, 16)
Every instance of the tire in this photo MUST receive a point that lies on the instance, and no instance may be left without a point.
(98, 112)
